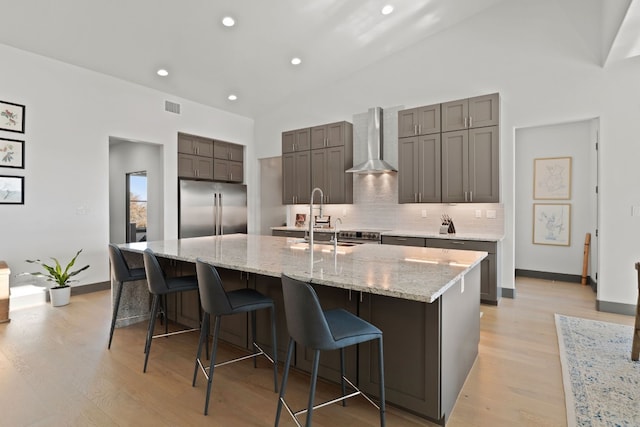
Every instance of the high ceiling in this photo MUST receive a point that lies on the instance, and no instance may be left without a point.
(207, 61)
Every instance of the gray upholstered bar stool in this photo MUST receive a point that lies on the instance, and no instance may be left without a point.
(122, 274)
(319, 330)
(160, 286)
(217, 302)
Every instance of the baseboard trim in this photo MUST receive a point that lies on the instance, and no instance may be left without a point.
(91, 287)
(616, 307)
(559, 277)
(508, 293)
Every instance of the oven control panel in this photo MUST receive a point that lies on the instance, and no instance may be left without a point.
(360, 236)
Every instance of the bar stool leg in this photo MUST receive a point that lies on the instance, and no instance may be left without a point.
(312, 391)
(285, 377)
(381, 367)
(115, 312)
(275, 349)
(152, 324)
(204, 331)
(342, 374)
(253, 337)
(216, 332)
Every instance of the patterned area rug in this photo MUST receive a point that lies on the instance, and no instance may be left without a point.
(601, 382)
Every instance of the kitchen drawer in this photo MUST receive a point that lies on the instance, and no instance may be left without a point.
(288, 233)
(404, 241)
(468, 245)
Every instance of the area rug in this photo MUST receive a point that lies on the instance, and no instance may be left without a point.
(601, 382)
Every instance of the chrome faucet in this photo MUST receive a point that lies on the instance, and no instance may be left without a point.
(312, 220)
(335, 235)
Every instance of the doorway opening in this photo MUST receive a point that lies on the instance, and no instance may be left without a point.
(136, 207)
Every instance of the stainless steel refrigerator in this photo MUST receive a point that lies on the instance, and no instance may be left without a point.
(211, 208)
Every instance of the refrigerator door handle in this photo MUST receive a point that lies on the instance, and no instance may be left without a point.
(215, 214)
(220, 214)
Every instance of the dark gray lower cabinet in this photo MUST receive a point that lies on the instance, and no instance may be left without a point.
(411, 333)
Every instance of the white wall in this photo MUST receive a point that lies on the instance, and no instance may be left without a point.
(70, 115)
(562, 140)
(546, 73)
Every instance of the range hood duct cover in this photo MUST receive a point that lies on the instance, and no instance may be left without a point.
(374, 163)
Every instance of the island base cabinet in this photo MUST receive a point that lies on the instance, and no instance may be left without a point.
(429, 349)
(411, 336)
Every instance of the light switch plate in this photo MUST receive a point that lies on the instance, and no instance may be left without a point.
(478, 213)
(424, 213)
(491, 214)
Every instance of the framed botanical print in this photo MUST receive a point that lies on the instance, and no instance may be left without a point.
(11, 117)
(552, 178)
(552, 224)
(11, 190)
(11, 153)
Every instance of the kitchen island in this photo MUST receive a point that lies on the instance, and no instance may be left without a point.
(425, 300)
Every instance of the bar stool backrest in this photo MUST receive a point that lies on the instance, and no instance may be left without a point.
(306, 322)
(213, 297)
(118, 263)
(155, 276)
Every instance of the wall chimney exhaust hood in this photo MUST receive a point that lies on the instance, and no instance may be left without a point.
(374, 162)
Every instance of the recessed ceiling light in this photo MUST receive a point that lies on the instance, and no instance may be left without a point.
(162, 72)
(228, 21)
(296, 61)
(387, 9)
(232, 97)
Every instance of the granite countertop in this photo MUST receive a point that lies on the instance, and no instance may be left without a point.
(419, 274)
(436, 235)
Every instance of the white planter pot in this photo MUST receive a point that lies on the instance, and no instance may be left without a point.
(60, 296)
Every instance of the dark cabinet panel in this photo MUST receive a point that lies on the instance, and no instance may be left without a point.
(419, 121)
(419, 169)
(296, 179)
(192, 166)
(296, 140)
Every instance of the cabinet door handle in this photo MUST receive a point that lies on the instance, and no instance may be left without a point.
(419, 129)
(420, 197)
(470, 121)
(456, 242)
(415, 129)
(401, 239)
(231, 176)
(465, 196)
(471, 196)
(465, 122)
(415, 197)
(294, 146)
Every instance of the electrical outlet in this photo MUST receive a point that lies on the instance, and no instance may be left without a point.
(424, 213)
(491, 214)
(478, 213)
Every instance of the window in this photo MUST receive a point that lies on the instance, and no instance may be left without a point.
(137, 206)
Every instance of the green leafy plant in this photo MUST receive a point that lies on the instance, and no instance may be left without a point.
(56, 273)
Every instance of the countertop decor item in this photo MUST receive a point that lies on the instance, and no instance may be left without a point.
(447, 226)
(61, 291)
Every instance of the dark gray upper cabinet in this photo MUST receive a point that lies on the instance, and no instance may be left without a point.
(190, 144)
(323, 166)
(480, 111)
(419, 121)
(228, 162)
(331, 135)
(296, 177)
(419, 172)
(296, 140)
(470, 166)
(195, 157)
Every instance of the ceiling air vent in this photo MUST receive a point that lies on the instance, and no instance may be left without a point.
(172, 107)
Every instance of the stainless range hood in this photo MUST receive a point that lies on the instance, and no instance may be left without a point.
(374, 162)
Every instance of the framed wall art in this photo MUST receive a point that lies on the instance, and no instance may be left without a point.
(552, 178)
(11, 117)
(11, 190)
(552, 224)
(11, 153)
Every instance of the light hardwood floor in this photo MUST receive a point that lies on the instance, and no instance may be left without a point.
(55, 370)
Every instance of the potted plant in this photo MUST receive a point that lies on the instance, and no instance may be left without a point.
(60, 293)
